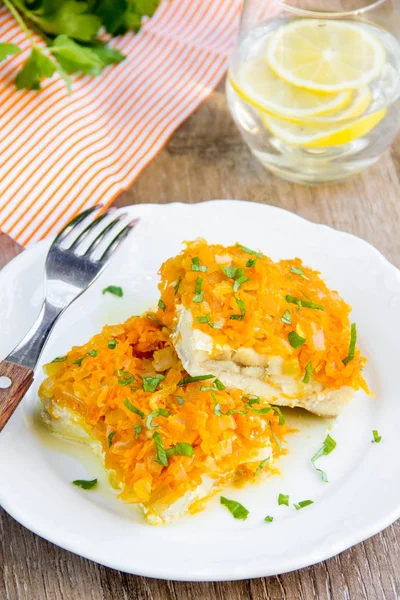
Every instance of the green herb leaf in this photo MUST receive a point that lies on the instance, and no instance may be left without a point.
(283, 499)
(215, 325)
(59, 359)
(8, 50)
(110, 437)
(204, 319)
(268, 519)
(261, 466)
(180, 400)
(159, 412)
(161, 304)
(85, 484)
(126, 380)
(112, 344)
(180, 449)
(114, 289)
(328, 446)
(196, 266)
(239, 282)
(237, 510)
(217, 406)
(231, 271)
(138, 429)
(150, 384)
(151, 317)
(309, 371)
(161, 454)
(38, 66)
(79, 361)
(298, 271)
(251, 262)
(93, 353)
(219, 385)
(280, 414)
(68, 17)
(295, 340)
(278, 443)
(107, 54)
(287, 317)
(112, 14)
(377, 437)
(177, 285)
(352, 346)
(242, 309)
(303, 303)
(187, 380)
(302, 504)
(248, 251)
(75, 58)
(199, 294)
(133, 409)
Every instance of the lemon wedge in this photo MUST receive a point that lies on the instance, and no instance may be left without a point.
(325, 56)
(257, 84)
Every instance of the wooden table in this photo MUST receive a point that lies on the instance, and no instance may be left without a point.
(206, 159)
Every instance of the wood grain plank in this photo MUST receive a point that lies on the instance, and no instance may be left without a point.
(206, 159)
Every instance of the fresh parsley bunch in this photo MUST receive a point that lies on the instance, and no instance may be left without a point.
(70, 29)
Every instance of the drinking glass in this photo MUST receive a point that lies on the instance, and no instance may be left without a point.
(314, 85)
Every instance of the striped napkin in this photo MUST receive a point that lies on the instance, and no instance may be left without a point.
(60, 154)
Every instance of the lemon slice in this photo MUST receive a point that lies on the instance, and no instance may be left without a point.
(330, 133)
(258, 85)
(325, 56)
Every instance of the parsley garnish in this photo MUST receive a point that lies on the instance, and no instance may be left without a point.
(309, 371)
(92, 353)
(133, 409)
(251, 262)
(85, 484)
(180, 400)
(248, 251)
(242, 309)
(138, 429)
(303, 303)
(151, 317)
(187, 380)
(161, 454)
(377, 437)
(177, 285)
(150, 384)
(352, 346)
(161, 304)
(205, 319)
(59, 359)
(261, 466)
(298, 271)
(217, 385)
(196, 266)
(237, 274)
(283, 499)
(199, 294)
(268, 519)
(112, 344)
(110, 437)
(302, 504)
(114, 289)
(180, 449)
(237, 510)
(159, 412)
(328, 446)
(126, 380)
(295, 340)
(286, 317)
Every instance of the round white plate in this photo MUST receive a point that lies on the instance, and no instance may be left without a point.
(363, 493)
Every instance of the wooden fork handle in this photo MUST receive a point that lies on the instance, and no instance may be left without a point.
(14, 383)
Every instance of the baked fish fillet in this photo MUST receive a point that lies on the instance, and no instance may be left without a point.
(167, 441)
(273, 330)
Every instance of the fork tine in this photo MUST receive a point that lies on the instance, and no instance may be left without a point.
(117, 241)
(75, 221)
(102, 234)
(81, 237)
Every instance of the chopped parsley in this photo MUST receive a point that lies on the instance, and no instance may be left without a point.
(303, 504)
(150, 384)
(199, 294)
(352, 346)
(187, 380)
(161, 454)
(85, 484)
(328, 446)
(298, 271)
(114, 289)
(283, 499)
(279, 413)
(205, 319)
(309, 371)
(251, 262)
(215, 325)
(155, 320)
(180, 449)
(159, 412)
(59, 359)
(92, 353)
(180, 400)
(303, 303)
(242, 309)
(177, 285)
(268, 519)
(236, 274)
(239, 281)
(110, 437)
(248, 251)
(286, 317)
(112, 344)
(237, 510)
(377, 437)
(138, 429)
(133, 409)
(125, 380)
(261, 466)
(161, 304)
(216, 385)
(196, 266)
(295, 340)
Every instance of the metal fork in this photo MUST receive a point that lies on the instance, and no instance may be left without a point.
(68, 273)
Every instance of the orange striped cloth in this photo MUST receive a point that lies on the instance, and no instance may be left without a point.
(60, 154)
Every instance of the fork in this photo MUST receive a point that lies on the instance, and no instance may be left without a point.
(68, 274)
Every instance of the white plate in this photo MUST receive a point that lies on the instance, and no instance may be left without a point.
(363, 493)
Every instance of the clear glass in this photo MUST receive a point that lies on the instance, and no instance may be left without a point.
(314, 85)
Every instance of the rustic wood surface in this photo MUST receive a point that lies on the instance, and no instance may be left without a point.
(206, 159)
(20, 379)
